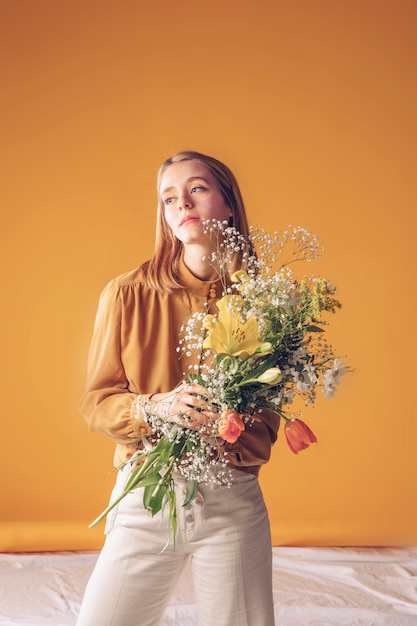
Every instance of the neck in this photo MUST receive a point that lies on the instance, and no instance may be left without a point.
(193, 259)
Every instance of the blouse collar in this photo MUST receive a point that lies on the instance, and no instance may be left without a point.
(196, 284)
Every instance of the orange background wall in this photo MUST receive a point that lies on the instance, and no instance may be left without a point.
(313, 104)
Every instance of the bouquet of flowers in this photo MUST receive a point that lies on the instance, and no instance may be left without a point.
(264, 347)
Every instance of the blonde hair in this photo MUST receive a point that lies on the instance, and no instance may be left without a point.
(161, 272)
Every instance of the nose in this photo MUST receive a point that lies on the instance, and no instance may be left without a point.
(185, 201)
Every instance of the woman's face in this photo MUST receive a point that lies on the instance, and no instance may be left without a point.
(190, 195)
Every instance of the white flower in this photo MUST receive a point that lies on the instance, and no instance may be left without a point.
(305, 379)
(277, 400)
(332, 375)
(288, 396)
(310, 372)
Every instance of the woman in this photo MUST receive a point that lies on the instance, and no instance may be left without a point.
(133, 364)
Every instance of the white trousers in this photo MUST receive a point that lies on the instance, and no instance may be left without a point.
(224, 531)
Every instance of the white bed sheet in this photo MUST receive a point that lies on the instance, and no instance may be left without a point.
(312, 587)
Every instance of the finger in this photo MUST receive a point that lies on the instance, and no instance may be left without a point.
(194, 402)
(195, 420)
(210, 413)
(197, 389)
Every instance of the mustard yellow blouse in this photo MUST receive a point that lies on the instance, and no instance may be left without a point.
(134, 350)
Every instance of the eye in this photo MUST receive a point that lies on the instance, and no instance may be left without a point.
(197, 188)
(168, 200)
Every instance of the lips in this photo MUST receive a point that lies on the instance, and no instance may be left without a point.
(189, 219)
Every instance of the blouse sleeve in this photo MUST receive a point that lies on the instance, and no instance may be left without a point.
(108, 405)
(253, 448)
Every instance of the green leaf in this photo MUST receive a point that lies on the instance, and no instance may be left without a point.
(265, 365)
(153, 498)
(191, 492)
(218, 358)
(150, 479)
(172, 499)
(192, 378)
(228, 363)
(134, 479)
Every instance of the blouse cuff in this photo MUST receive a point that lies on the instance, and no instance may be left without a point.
(138, 421)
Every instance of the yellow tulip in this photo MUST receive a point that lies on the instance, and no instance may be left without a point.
(228, 333)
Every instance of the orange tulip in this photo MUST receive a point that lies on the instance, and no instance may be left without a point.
(298, 435)
(230, 426)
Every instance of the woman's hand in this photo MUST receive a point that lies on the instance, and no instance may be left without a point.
(187, 405)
